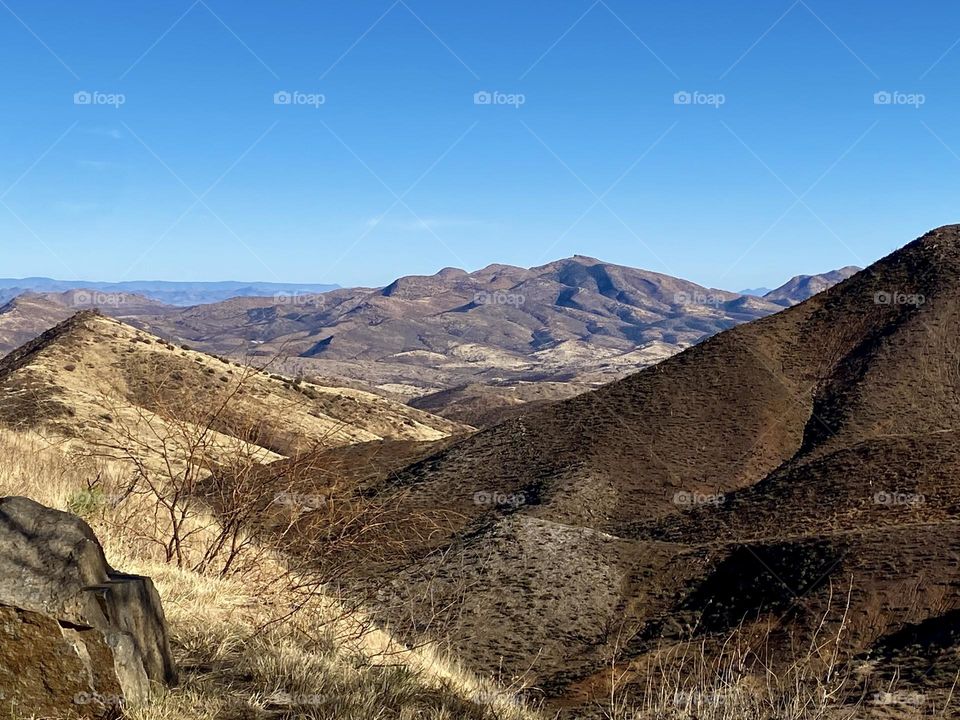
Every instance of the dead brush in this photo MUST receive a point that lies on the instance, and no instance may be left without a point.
(254, 634)
(742, 679)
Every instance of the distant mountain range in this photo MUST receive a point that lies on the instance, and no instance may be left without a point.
(575, 323)
(171, 293)
(185, 294)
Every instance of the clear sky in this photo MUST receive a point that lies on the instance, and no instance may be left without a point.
(180, 165)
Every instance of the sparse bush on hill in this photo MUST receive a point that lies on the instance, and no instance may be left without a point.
(219, 501)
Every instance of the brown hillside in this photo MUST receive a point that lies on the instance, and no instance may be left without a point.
(759, 477)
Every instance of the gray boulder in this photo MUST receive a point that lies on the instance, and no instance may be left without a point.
(53, 570)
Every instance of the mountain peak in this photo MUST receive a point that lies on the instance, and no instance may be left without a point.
(585, 259)
(800, 287)
(451, 272)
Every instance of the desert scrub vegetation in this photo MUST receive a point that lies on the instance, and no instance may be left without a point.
(248, 644)
(740, 677)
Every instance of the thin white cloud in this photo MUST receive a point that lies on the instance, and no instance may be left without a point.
(75, 206)
(107, 132)
(96, 164)
(425, 224)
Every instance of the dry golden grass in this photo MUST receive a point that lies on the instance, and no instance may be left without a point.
(241, 652)
(739, 679)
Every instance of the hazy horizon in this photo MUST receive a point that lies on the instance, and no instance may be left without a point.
(773, 283)
(734, 146)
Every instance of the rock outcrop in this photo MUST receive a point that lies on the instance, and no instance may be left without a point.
(76, 636)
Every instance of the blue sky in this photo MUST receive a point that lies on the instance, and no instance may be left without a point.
(783, 162)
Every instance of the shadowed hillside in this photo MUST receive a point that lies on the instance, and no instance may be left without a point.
(763, 479)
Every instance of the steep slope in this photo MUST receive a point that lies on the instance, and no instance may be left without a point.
(94, 380)
(763, 478)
